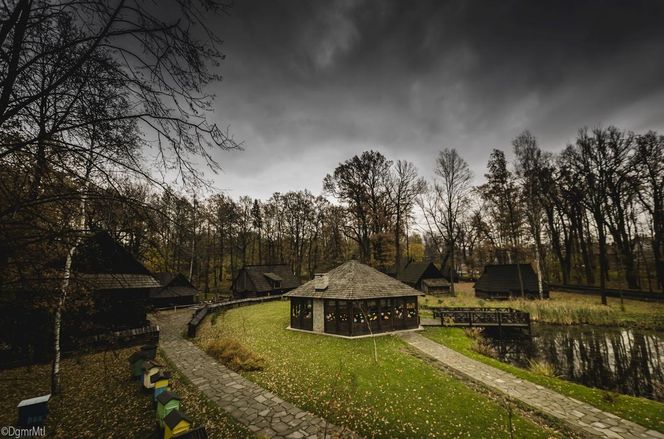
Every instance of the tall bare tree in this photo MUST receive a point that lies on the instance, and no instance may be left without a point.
(451, 189)
(649, 160)
(501, 190)
(532, 168)
(403, 188)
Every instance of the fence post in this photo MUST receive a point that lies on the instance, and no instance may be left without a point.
(500, 325)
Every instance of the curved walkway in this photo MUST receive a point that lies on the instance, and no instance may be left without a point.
(580, 416)
(261, 411)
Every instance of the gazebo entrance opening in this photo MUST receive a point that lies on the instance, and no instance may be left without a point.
(302, 314)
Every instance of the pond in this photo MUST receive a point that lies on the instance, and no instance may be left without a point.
(622, 360)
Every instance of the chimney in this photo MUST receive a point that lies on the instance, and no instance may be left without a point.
(320, 281)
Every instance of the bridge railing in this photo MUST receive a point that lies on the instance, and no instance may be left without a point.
(470, 316)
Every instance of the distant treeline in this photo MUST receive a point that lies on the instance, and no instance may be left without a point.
(590, 214)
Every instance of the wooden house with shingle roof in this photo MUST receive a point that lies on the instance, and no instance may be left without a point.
(501, 281)
(354, 299)
(424, 276)
(264, 280)
(174, 289)
(118, 282)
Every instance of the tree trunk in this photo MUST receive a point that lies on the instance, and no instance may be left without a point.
(603, 262)
(586, 253)
(207, 260)
(538, 271)
(397, 244)
(452, 264)
(193, 247)
(55, 368)
(518, 271)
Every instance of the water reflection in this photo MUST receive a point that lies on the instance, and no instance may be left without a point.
(621, 360)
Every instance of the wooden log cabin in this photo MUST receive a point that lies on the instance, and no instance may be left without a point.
(118, 282)
(424, 276)
(174, 290)
(263, 280)
(501, 281)
(354, 300)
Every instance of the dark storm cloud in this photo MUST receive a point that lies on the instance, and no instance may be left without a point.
(308, 84)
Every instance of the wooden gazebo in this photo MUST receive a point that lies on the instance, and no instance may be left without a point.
(353, 300)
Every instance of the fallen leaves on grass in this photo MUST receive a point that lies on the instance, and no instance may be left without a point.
(400, 396)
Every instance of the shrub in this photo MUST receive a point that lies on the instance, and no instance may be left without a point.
(448, 321)
(234, 355)
(542, 367)
(610, 397)
(484, 347)
(213, 319)
(474, 333)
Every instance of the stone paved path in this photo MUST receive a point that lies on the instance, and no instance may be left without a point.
(261, 411)
(580, 416)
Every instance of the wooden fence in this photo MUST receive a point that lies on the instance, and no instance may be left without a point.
(647, 296)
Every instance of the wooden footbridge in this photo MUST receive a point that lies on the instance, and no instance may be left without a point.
(475, 317)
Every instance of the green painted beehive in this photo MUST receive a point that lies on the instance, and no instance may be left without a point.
(136, 361)
(166, 402)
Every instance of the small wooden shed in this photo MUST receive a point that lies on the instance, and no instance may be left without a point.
(501, 281)
(175, 423)
(354, 300)
(166, 402)
(33, 412)
(174, 290)
(424, 276)
(264, 280)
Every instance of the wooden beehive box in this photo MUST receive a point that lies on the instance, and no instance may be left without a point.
(176, 422)
(33, 411)
(150, 368)
(160, 382)
(167, 401)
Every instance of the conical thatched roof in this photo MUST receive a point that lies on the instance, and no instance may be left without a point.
(353, 280)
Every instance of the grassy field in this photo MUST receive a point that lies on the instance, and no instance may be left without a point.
(399, 396)
(99, 400)
(640, 410)
(565, 308)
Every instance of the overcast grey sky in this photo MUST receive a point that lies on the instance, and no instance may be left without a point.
(307, 84)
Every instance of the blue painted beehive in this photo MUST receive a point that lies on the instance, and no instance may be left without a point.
(33, 411)
(160, 382)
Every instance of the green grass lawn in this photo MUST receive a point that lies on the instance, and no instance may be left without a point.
(564, 308)
(99, 400)
(400, 396)
(640, 410)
